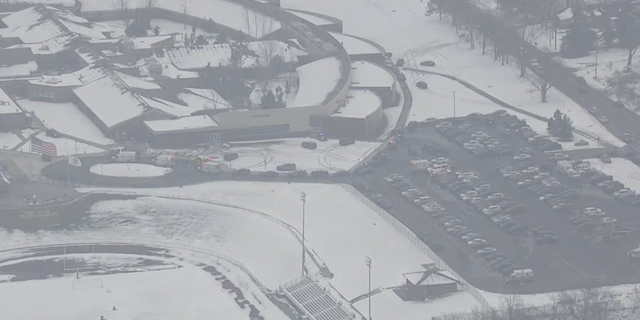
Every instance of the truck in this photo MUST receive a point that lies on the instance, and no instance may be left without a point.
(520, 276)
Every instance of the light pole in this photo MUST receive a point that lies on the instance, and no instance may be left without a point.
(369, 264)
(303, 198)
(454, 103)
(596, 66)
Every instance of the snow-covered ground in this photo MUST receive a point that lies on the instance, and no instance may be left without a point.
(59, 116)
(187, 292)
(8, 140)
(129, 170)
(621, 170)
(401, 29)
(164, 26)
(265, 246)
(64, 146)
(330, 156)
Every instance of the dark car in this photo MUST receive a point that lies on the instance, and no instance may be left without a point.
(230, 156)
(346, 141)
(428, 63)
(320, 174)
(309, 145)
(422, 85)
(241, 173)
(605, 158)
(53, 133)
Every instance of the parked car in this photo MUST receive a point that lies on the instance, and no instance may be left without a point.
(230, 156)
(428, 63)
(287, 167)
(422, 85)
(346, 141)
(309, 145)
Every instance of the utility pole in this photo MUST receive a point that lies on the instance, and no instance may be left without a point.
(454, 103)
(303, 198)
(369, 263)
(596, 66)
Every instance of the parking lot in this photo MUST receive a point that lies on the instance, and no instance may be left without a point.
(548, 236)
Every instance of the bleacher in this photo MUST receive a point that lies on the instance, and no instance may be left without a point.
(316, 301)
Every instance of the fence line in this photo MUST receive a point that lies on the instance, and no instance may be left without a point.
(92, 240)
(402, 229)
(308, 248)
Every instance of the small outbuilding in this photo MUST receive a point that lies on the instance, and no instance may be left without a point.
(424, 285)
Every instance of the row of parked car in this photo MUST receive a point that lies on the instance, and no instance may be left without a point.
(452, 224)
(473, 138)
(542, 184)
(515, 126)
(615, 188)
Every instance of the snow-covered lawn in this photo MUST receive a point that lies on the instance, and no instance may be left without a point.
(8, 140)
(129, 170)
(622, 170)
(330, 156)
(403, 29)
(266, 247)
(64, 146)
(187, 292)
(66, 118)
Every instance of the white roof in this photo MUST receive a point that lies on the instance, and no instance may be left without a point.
(355, 46)
(169, 107)
(111, 100)
(7, 105)
(186, 123)
(367, 74)
(318, 21)
(432, 279)
(16, 70)
(317, 80)
(50, 46)
(360, 104)
(137, 83)
(147, 42)
(75, 79)
(219, 54)
(566, 14)
(201, 99)
(40, 23)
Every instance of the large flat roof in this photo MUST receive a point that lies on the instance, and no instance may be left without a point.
(317, 80)
(181, 124)
(318, 21)
(360, 104)
(355, 46)
(367, 74)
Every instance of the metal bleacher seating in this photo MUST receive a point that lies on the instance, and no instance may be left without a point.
(316, 301)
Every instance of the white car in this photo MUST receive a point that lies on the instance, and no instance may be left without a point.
(500, 218)
(491, 210)
(476, 241)
(422, 200)
(467, 196)
(594, 212)
(559, 156)
(496, 196)
(476, 200)
(410, 192)
(440, 161)
(393, 178)
(522, 157)
(608, 220)
(444, 124)
(622, 192)
(603, 119)
(464, 174)
(525, 182)
(547, 197)
(452, 223)
(430, 209)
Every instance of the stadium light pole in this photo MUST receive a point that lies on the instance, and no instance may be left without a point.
(454, 103)
(369, 263)
(303, 198)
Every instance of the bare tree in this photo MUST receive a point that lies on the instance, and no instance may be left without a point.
(123, 7)
(635, 299)
(539, 84)
(149, 3)
(512, 305)
(257, 24)
(183, 4)
(472, 40)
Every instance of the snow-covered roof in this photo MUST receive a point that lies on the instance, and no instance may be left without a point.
(318, 21)
(168, 71)
(168, 107)
(355, 46)
(111, 100)
(135, 82)
(75, 79)
(7, 105)
(317, 80)
(220, 54)
(41, 23)
(181, 124)
(16, 70)
(50, 46)
(566, 14)
(201, 99)
(367, 74)
(360, 104)
(418, 278)
(148, 42)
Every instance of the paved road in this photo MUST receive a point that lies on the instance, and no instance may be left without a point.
(561, 78)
